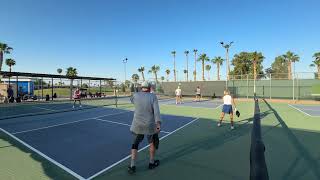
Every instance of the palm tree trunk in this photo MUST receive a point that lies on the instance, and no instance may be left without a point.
(187, 69)
(9, 75)
(167, 77)
(289, 69)
(254, 70)
(218, 71)
(195, 67)
(202, 70)
(156, 76)
(212, 71)
(1, 60)
(142, 73)
(174, 68)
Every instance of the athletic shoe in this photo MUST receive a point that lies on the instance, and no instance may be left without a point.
(73, 107)
(219, 124)
(131, 170)
(80, 105)
(232, 127)
(154, 165)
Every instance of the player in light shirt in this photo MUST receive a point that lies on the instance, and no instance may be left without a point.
(178, 95)
(228, 101)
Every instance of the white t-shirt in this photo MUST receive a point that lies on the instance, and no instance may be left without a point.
(198, 91)
(178, 92)
(227, 100)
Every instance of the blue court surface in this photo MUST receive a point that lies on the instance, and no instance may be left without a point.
(194, 104)
(309, 110)
(84, 143)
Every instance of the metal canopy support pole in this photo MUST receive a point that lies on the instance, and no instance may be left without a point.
(100, 88)
(42, 88)
(17, 83)
(89, 87)
(52, 89)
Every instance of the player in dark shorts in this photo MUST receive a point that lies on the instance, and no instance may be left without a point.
(146, 122)
(76, 97)
(228, 101)
(198, 94)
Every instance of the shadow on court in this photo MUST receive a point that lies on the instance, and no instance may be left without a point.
(13, 153)
(290, 154)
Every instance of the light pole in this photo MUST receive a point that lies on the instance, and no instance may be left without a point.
(293, 77)
(125, 69)
(227, 46)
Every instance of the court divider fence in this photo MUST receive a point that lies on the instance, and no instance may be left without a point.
(299, 86)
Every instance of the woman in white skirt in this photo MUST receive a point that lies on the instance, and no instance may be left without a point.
(227, 108)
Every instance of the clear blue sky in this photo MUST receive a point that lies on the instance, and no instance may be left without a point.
(94, 36)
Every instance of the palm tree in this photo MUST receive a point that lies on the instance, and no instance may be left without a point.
(203, 58)
(168, 73)
(135, 77)
(59, 71)
(4, 49)
(290, 58)
(218, 61)
(316, 62)
(185, 74)
(141, 70)
(154, 69)
(71, 74)
(208, 68)
(174, 65)
(256, 57)
(187, 58)
(162, 78)
(10, 63)
(195, 64)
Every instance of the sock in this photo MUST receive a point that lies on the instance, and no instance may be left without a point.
(151, 161)
(132, 163)
(231, 123)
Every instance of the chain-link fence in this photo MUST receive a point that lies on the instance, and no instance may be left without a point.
(278, 86)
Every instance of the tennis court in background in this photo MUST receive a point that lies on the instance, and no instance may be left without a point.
(83, 143)
(186, 102)
(309, 110)
(94, 143)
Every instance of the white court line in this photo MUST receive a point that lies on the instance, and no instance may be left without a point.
(44, 108)
(127, 157)
(114, 122)
(301, 111)
(43, 155)
(181, 105)
(56, 125)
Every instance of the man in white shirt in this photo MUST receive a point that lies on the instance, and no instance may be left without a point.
(178, 95)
